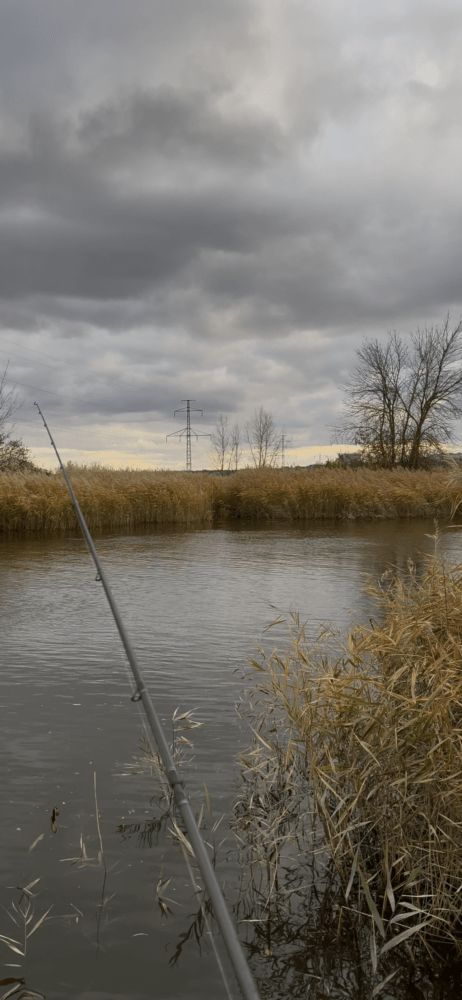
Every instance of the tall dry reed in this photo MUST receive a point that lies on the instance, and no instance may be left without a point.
(377, 734)
(293, 494)
(108, 498)
(111, 499)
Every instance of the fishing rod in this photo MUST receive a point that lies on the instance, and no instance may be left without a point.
(236, 955)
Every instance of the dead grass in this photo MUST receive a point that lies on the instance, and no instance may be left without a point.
(377, 734)
(112, 499)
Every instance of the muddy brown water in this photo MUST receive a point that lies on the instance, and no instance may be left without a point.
(195, 602)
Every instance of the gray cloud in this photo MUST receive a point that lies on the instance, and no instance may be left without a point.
(222, 200)
(167, 124)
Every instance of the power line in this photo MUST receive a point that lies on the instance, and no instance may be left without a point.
(33, 423)
(32, 361)
(39, 388)
(69, 364)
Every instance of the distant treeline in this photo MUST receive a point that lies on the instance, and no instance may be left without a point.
(115, 499)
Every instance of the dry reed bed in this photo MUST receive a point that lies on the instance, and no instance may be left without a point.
(107, 498)
(123, 498)
(293, 494)
(377, 732)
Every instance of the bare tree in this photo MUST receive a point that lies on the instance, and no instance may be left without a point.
(374, 417)
(8, 405)
(402, 398)
(235, 450)
(262, 438)
(220, 442)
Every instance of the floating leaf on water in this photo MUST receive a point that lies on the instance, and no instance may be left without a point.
(11, 943)
(31, 995)
(11, 915)
(39, 921)
(31, 848)
(10, 993)
(27, 888)
(6, 982)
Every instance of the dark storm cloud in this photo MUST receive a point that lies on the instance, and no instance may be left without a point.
(68, 230)
(169, 124)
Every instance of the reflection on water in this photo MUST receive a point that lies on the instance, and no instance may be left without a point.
(194, 602)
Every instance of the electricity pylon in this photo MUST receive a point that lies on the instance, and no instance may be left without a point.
(187, 431)
(285, 443)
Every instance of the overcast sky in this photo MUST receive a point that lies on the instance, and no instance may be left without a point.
(219, 199)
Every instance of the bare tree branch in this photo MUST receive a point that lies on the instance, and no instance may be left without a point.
(220, 442)
(8, 406)
(262, 438)
(235, 451)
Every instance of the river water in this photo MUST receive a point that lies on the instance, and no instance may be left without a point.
(195, 603)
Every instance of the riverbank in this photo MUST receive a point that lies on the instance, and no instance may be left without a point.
(114, 499)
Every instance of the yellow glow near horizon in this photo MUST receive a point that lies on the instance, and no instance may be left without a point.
(118, 459)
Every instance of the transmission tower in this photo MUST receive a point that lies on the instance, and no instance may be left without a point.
(187, 431)
(285, 443)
